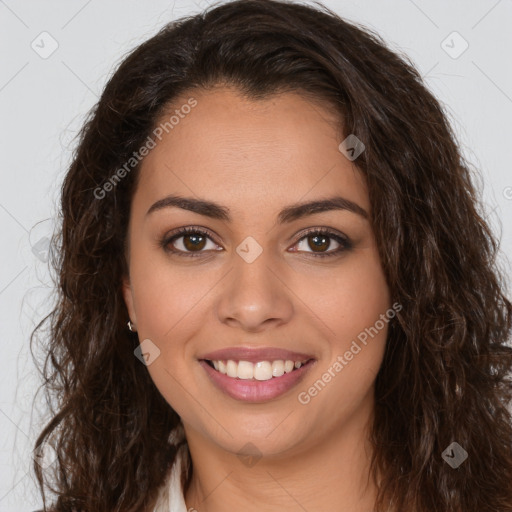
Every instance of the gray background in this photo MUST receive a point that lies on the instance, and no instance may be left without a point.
(43, 100)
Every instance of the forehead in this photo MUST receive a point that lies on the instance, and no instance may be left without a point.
(249, 154)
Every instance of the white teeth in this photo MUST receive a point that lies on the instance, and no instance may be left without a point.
(231, 369)
(288, 366)
(278, 368)
(262, 370)
(245, 370)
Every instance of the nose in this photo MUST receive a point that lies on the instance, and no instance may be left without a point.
(255, 297)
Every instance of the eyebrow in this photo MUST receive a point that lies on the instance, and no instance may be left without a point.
(288, 214)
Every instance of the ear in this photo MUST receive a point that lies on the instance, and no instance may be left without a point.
(128, 299)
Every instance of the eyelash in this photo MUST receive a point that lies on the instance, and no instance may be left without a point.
(166, 241)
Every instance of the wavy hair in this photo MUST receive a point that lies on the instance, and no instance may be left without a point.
(446, 371)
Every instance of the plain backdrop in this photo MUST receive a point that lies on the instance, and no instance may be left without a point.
(55, 60)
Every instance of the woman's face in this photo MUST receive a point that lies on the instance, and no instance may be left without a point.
(257, 286)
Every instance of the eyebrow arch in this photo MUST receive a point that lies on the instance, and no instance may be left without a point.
(288, 214)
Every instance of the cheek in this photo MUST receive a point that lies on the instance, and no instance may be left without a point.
(350, 299)
(170, 303)
(167, 296)
(351, 303)
(353, 307)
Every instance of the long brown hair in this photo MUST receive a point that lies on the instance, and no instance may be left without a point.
(445, 376)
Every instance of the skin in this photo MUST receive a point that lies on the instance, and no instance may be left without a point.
(257, 157)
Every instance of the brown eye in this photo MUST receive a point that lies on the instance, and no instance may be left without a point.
(188, 242)
(193, 242)
(319, 241)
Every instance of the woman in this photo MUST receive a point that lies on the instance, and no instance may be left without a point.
(276, 290)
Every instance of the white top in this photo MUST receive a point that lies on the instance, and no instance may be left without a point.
(171, 498)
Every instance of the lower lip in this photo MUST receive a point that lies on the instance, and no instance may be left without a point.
(249, 390)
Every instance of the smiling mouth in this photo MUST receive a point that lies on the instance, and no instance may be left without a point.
(262, 370)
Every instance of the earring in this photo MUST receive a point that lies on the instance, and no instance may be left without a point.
(131, 326)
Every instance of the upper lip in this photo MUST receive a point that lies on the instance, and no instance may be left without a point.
(255, 355)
